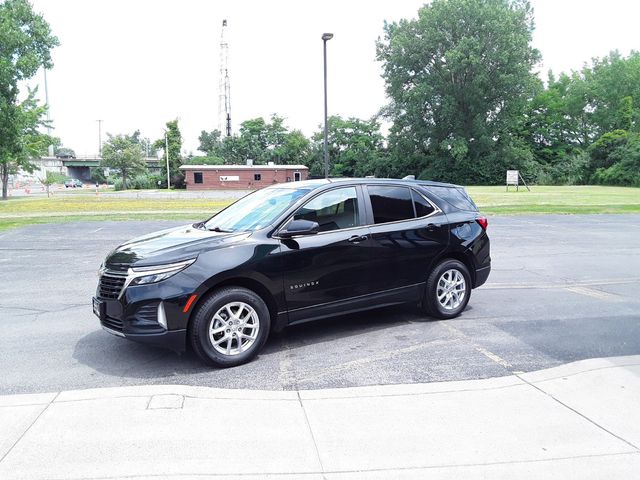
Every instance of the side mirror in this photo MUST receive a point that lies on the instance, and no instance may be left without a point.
(299, 227)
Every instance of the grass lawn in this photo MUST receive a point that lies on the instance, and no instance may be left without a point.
(20, 211)
(545, 199)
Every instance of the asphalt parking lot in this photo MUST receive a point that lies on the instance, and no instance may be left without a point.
(563, 288)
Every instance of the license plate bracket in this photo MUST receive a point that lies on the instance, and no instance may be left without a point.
(98, 308)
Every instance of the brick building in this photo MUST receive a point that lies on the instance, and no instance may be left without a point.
(244, 177)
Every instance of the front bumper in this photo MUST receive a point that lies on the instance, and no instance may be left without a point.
(153, 313)
(172, 339)
(139, 325)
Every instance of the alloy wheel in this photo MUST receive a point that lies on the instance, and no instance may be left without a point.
(234, 328)
(451, 289)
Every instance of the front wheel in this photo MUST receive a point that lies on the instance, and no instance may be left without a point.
(230, 327)
(448, 289)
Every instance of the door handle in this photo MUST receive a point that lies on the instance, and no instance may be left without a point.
(357, 239)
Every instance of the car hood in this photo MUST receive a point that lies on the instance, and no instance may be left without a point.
(171, 245)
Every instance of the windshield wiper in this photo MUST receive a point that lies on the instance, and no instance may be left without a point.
(218, 229)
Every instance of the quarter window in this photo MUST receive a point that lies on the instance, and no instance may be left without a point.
(333, 210)
(455, 196)
(197, 177)
(390, 204)
(423, 207)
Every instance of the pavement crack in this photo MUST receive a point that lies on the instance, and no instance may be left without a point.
(313, 437)
(29, 427)
(593, 422)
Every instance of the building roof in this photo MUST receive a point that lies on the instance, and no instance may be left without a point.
(243, 167)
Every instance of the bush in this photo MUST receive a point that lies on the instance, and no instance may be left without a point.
(140, 182)
(568, 170)
(626, 166)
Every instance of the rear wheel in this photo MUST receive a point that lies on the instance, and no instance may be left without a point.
(230, 327)
(448, 289)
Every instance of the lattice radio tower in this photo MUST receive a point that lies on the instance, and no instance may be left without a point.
(224, 99)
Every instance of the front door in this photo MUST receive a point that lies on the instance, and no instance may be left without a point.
(323, 272)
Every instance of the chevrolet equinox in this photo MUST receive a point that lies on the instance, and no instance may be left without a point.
(291, 253)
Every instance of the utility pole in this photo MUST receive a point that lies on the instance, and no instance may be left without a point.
(46, 99)
(99, 138)
(325, 38)
(224, 86)
(166, 149)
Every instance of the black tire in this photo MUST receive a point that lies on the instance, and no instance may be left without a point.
(430, 303)
(199, 332)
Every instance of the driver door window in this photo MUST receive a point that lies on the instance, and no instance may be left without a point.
(333, 210)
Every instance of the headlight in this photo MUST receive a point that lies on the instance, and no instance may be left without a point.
(156, 273)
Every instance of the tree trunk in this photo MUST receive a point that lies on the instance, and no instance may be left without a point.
(124, 180)
(4, 172)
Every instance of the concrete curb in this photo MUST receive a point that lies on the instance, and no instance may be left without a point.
(578, 421)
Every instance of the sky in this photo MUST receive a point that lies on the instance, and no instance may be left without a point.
(136, 64)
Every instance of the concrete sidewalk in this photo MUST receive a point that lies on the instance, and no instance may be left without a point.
(578, 421)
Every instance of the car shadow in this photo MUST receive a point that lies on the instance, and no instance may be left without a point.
(116, 357)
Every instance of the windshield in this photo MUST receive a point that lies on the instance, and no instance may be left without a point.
(256, 210)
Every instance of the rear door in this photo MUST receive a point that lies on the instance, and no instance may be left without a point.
(407, 233)
(323, 272)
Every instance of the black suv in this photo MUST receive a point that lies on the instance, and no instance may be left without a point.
(291, 253)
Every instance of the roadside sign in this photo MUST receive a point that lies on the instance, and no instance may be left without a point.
(513, 178)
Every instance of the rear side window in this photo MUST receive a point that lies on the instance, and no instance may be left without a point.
(455, 196)
(391, 204)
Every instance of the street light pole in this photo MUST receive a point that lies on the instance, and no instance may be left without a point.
(99, 138)
(166, 149)
(325, 38)
(46, 96)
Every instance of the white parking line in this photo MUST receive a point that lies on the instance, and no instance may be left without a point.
(490, 355)
(589, 283)
(593, 293)
(500, 361)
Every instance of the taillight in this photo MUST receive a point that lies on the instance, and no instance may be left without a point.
(483, 222)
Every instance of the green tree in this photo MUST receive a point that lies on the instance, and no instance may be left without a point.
(174, 139)
(210, 143)
(294, 150)
(614, 90)
(122, 153)
(356, 148)
(458, 78)
(25, 45)
(51, 178)
(258, 140)
(64, 152)
(23, 140)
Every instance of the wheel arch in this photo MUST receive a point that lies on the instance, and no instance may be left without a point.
(463, 257)
(250, 284)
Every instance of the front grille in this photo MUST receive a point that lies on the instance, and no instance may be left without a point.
(110, 286)
(117, 267)
(112, 323)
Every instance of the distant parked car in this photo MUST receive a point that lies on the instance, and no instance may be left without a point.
(73, 183)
